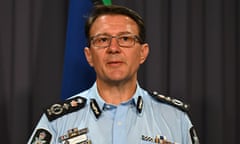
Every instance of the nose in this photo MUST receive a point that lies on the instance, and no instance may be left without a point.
(113, 47)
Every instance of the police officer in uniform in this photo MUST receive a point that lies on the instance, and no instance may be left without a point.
(115, 110)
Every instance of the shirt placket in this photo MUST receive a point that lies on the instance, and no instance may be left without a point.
(119, 125)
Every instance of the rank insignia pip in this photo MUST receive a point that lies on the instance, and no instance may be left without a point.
(41, 136)
(59, 109)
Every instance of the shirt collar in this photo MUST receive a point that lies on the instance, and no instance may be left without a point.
(136, 99)
(95, 95)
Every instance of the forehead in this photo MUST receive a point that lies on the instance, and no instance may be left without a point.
(113, 24)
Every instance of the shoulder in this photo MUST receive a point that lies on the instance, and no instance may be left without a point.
(65, 107)
(170, 101)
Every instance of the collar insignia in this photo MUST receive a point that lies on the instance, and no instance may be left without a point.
(95, 108)
(139, 104)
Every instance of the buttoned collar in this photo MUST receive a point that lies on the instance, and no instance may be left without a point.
(98, 104)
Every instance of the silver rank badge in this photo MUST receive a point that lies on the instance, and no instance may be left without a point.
(75, 136)
(156, 140)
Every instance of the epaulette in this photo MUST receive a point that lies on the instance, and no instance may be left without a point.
(172, 101)
(59, 109)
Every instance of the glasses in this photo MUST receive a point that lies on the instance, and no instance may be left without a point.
(125, 40)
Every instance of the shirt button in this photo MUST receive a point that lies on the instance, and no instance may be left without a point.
(119, 123)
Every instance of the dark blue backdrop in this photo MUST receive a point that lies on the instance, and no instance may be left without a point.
(77, 74)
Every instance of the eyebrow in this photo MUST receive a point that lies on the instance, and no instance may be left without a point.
(120, 33)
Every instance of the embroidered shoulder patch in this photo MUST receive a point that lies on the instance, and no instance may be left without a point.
(59, 109)
(41, 136)
(194, 137)
(172, 101)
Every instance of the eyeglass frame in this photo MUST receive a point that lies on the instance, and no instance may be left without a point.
(135, 39)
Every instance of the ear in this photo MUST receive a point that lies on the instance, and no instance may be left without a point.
(144, 53)
(88, 56)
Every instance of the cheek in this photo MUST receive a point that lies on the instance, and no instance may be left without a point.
(135, 59)
(97, 60)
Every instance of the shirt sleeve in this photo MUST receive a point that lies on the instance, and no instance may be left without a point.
(43, 132)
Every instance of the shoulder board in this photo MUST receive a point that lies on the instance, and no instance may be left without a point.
(171, 101)
(59, 109)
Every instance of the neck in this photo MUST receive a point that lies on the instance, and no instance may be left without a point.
(116, 93)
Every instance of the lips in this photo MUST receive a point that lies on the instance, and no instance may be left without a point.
(114, 63)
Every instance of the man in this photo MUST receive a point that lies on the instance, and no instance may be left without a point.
(116, 110)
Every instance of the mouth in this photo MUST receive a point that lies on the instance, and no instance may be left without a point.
(114, 63)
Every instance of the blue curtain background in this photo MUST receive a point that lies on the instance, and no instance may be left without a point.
(77, 74)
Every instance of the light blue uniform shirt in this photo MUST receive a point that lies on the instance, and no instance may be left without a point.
(121, 124)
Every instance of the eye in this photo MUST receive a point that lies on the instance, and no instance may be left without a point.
(102, 39)
(125, 39)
